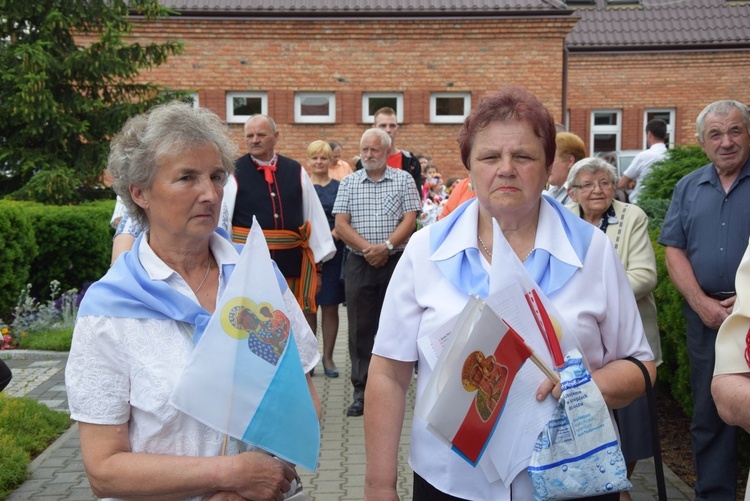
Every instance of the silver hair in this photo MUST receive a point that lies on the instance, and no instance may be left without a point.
(591, 164)
(385, 139)
(721, 108)
(271, 121)
(163, 132)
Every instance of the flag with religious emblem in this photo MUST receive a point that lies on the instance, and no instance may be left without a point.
(475, 385)
(245, 377)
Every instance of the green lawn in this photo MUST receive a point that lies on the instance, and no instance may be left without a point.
(52, 340)
(28, 427)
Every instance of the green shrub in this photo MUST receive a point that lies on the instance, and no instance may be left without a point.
(675, 370)
(658, 187)
(75, 244)
(659, 183)
(656, 210)
(28, 427)
(17, 251)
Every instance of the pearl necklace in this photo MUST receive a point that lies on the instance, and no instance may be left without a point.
(487, 251)
(208, 268)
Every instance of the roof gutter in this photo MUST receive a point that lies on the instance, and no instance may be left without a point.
(564, 100)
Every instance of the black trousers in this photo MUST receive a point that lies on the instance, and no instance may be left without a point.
(714, 442)
(365, 292)
(424, 491)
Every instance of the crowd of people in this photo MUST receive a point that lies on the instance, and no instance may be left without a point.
(402, 248)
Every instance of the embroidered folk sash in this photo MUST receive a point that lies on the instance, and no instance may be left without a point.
(306, 287)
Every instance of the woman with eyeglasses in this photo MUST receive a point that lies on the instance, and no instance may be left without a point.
(591, 184)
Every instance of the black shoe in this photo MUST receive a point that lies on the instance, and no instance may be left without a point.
(330, 372)
(356, 409)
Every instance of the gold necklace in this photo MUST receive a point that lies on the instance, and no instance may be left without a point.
(208, 268)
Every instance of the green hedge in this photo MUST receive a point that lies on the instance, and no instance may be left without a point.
(17, 250)
(675, 370)
(41, 243)
(75, 244)
(658, 187)
(659, 183)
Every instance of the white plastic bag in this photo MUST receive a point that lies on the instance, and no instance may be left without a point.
(577, 454)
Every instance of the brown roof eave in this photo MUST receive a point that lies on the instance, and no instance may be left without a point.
(659, 48)
(381, 14)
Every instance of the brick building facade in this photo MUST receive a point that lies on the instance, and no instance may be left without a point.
(414, 57)
(634, 83)
(603, 84)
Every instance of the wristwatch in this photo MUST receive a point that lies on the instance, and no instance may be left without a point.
(389, 245)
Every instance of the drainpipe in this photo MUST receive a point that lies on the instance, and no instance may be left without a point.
(565, 86)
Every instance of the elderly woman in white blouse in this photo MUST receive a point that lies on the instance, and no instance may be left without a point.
(507, 144)
(133, 336)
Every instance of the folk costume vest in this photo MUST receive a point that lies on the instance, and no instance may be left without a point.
(279, 209)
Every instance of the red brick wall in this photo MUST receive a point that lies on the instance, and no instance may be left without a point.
(685, 81)
(415, 57)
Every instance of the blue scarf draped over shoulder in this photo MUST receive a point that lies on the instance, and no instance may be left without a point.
(464, 269)
(127, 291)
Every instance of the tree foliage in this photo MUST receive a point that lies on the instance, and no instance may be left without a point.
(659, 183)
(68, 82)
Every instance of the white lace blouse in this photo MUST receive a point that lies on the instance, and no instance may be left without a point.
(124, 369)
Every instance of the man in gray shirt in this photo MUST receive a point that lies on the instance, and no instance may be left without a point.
(705, 233)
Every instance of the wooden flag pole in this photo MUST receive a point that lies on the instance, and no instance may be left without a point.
(552, 375)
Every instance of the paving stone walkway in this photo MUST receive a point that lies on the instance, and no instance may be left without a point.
(58, 473)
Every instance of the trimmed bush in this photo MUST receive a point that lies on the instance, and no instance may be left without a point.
(17, 250)
(658, 187)
(675, 370)
(75, 244)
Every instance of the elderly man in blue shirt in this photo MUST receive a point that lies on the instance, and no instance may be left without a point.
(705, 233)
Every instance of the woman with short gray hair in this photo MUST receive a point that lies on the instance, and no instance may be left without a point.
(592, 183)
(134, 333)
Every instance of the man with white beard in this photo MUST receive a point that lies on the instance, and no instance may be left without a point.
(376, 210)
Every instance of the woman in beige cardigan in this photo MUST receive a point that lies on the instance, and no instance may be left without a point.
(591, 185)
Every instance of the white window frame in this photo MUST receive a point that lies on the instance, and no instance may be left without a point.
(451, 119)
(369, 119)
(606, 129)
(195, 99)
(241, 119)
(314, 119)
(670, 124)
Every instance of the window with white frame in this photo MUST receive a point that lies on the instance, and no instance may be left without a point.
(192, 97)
(449, 107)
(373, 101)
(666, 114)
(315, 107)
(243, 105)
(606, 130)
